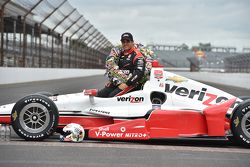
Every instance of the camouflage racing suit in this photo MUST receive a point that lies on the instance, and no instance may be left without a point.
(123, 67)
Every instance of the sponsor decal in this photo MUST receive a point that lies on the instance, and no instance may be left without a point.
(135, 135)
(124, 72)
(177, 79)
(107, 134)
(120, 135)
(158, 74)
(30, 136)
(244, 139)
(123, 129)
(195, 94)
(14, 116)
(131, 99)
(236, 122)
(103, 128)
(99, 111)
(34, 100)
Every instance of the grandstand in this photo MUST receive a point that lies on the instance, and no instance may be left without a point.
(183, 57)
(49, 33)
(172, 58)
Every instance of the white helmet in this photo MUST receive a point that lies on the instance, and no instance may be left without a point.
(72, 132)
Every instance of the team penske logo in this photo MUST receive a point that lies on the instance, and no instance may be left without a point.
(158, 74)
(131, 99)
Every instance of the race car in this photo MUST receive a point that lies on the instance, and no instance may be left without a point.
(167, 106)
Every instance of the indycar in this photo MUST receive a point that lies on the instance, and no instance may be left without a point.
(167, 106)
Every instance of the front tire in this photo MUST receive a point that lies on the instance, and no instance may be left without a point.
(34, 117)
(240, 123)
(232, 140)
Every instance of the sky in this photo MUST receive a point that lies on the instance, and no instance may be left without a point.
(171, 22)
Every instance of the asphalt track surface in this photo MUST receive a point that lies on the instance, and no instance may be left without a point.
(163, 153)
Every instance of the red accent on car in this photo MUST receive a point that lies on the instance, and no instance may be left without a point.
(173, 123)
(90, 92)
(87, 122)
(215, 117)
(155, 63)
(128, 130)
(5, 119)
(126, 90)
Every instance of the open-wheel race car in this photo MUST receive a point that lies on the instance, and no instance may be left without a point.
(168, 106)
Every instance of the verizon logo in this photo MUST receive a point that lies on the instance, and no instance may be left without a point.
(131, 99)
(201, 95)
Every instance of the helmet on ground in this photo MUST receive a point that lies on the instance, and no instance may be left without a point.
(72, 132)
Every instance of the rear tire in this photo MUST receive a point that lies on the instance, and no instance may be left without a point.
(240, 123)
(34, 117)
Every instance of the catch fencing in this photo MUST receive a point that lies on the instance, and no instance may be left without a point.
(239, 63)
(49, 34)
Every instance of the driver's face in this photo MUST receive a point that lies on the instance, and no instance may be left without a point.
(126, 44)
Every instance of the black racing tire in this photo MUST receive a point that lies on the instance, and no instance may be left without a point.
(232, 140)
(240, 124)
(34, 117)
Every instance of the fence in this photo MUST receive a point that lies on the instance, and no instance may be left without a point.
(238, 63)
(49, 33)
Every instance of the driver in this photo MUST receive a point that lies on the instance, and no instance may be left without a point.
(125, 68)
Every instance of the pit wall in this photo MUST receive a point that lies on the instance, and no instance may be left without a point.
(20, 75)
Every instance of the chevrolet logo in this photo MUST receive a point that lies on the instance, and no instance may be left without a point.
(177, 79)
(14, 116)
(236, 122)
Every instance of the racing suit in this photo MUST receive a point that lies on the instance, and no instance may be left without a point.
(130, 66)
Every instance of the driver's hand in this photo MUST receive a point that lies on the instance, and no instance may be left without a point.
(122, 86)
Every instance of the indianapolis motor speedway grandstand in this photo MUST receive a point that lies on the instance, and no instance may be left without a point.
(203, 56)
(49, 33)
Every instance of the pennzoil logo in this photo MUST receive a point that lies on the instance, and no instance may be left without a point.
(177, 79)
(14, 116)
(236, 122)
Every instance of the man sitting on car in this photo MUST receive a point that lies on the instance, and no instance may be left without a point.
(125, 69)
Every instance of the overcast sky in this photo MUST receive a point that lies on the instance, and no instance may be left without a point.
(221, 22)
